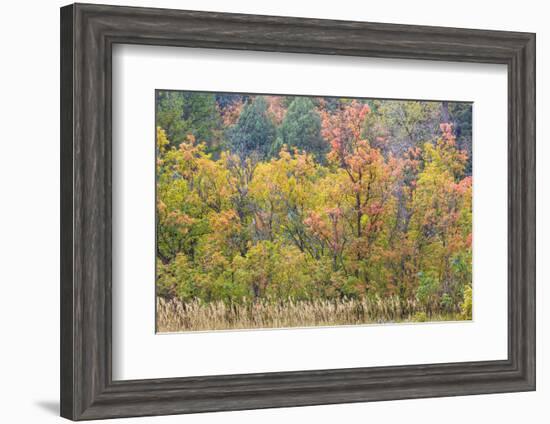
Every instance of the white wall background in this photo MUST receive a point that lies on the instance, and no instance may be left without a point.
(29, 212)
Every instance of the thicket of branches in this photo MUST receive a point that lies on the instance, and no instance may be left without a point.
(281, 198)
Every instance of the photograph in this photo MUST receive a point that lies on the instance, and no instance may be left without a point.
(276, 212)
(281, 211)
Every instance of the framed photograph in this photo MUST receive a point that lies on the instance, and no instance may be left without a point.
(262, 212)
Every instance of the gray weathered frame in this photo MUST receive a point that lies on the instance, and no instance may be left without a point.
(88, 33)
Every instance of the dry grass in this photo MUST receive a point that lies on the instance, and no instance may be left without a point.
(174, 315)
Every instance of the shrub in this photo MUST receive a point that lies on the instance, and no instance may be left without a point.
(466, 307)
(427, 290)
(420, 317)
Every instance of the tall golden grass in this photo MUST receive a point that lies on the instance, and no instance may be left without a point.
(174, 315)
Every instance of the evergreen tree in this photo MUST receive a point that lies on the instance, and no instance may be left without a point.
(301, 128)
(254, 132)
(461, 118)
(227, 99)
(189, 113)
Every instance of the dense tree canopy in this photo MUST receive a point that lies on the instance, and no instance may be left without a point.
(270, 197)
(182, 114)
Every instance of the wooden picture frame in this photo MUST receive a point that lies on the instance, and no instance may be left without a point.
(88, 33)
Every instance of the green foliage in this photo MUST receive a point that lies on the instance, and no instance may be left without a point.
(402, 124)
(460, 115)
(274, 271)
(447, 302)
(176, 278)
(254, 132)
(301, 129)
(355, 201)
(420, 316)
(427, 291)
(466, 307)
(182, 114)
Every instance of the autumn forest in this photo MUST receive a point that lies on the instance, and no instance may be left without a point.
(295, 211)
